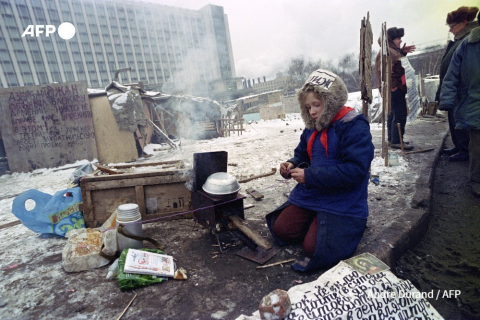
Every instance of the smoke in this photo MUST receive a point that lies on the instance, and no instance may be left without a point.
(191, 117)
(193, 70)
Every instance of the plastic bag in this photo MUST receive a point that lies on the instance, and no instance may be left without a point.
(89, 248)
(128, 281)
(52, 215)
(80, 172)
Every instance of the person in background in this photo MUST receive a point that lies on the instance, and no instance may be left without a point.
(327, 210)
(460, 22)
(398, 105)
(461, 91)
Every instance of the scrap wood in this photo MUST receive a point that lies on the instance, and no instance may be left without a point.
(156, 128)
(128, 306)
(254, 236)
(10, 224)
(420, 151)
(160, 120)
(107, 169)
(275, 263)
(259, 176)
(248, 206)
(254, 193)
(148, 164)
(10, 196)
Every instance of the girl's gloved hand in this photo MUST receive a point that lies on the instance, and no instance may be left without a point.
(285, 168)
(298, 175)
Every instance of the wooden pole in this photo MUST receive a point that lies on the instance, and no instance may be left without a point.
(385, 88)
(400, 135)
(365, 64)
(155, 127)
(420, 151)
(275, 263)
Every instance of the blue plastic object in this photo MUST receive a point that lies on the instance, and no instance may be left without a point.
(52, 215)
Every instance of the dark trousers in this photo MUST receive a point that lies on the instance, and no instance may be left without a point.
(474, 155)
(297, 225)
(460, 138)
(398, 114)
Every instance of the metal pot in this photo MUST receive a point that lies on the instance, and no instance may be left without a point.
(221, 184)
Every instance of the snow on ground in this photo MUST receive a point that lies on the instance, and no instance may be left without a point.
(262, 146)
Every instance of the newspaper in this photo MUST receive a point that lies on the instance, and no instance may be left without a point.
(358, 288)
(144, 262)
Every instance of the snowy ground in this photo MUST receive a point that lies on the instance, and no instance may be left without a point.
(29, 266)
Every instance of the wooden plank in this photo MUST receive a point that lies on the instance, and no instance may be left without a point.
(123, 183)
(165, 136)
(134, 175)
(113, 144)
(10, 224)
(257, 238)
(162, 199)
(275, 263)
(420, 151)
(254, 193)
(154, 201)
(88, 214)
(103, 203)
(259, 176)
(150, 164)
(140, 197)
(106, 169)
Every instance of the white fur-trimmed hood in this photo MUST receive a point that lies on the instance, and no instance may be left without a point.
(331, 90)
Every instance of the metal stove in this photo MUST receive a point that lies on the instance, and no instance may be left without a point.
(216, 209)
(215, 212)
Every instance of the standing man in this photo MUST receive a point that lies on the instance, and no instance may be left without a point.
(461, 88)
(398, 112)
(460, 23)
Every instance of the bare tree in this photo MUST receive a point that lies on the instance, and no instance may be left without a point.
(348, 66)
(428, 61)
(299, 69)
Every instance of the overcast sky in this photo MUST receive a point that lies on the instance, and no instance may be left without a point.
(267, 34)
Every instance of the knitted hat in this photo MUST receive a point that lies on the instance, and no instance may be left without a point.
(330, 89)
(394, 33)
(461, 14)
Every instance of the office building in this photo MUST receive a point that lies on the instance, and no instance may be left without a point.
(167, 48)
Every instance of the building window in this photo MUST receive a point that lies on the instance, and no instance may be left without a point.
(42, 77)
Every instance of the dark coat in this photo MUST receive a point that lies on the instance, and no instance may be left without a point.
(447, 56)
(398, 72)
(461, 86)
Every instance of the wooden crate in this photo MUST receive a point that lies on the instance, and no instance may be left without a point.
(157, 193)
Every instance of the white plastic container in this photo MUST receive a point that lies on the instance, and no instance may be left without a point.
(393, 159)
(129, 216)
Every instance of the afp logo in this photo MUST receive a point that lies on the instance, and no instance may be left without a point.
(66, 30)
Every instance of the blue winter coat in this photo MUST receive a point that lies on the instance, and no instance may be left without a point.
(335, 187)
(461, 86)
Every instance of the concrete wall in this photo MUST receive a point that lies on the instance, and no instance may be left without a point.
(291, 104)
(272, 112)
